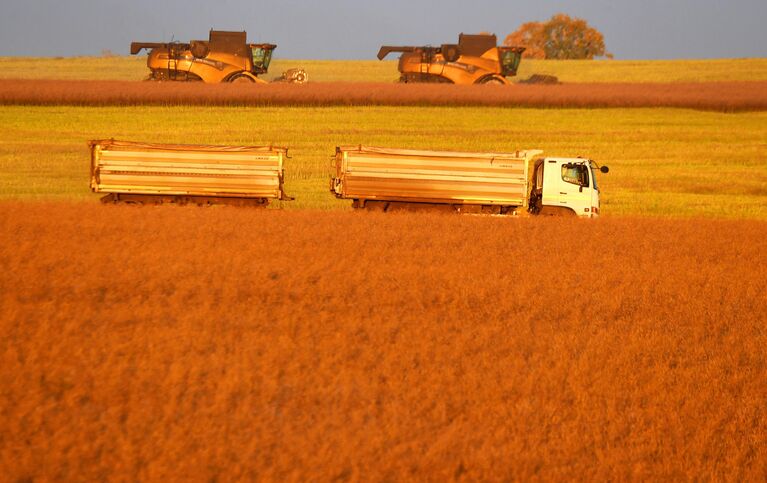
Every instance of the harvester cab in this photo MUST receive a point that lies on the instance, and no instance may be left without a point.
(475, 59)
(224, 57)
(262, 56)
(510, 58)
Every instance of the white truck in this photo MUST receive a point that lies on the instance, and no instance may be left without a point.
(517, 183)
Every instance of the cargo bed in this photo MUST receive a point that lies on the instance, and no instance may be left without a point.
(441, 177)
(146, 172)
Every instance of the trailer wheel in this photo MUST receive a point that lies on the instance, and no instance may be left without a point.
(376, 205)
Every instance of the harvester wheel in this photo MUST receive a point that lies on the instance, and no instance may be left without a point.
(492, 80)
(241, 79)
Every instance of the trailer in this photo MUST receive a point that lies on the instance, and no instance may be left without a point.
(517, 183)
(136, 172)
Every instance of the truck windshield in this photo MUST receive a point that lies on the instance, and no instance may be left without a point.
(261, 59)
(591, 168)
(576, 174)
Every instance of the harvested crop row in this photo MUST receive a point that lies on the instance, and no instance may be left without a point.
(189, 343)
(718, 96)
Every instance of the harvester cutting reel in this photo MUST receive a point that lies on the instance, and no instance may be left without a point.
(293, 76)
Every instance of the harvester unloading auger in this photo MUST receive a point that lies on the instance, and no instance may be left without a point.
(224, 57)
(475, 59)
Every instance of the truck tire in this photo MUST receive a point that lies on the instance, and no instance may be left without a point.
(547, 210)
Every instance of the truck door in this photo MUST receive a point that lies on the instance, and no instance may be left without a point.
(567, 184)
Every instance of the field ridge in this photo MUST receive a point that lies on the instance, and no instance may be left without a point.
(713, 96)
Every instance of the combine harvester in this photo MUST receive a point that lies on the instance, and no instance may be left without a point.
(146, 173)
(224, 57)
(475, 59)
(518, 183)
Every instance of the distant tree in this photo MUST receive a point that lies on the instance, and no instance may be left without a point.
(530, 36)
(561, 37)
(572, 38)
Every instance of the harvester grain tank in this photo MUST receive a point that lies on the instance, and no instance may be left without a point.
(475, 59)
(224, 57)
(517, 183)
(184, 173)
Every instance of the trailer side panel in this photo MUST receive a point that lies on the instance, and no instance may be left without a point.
(187, 170)
(433, 176)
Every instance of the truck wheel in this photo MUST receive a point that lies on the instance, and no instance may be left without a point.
(241, 79)
(547, 210)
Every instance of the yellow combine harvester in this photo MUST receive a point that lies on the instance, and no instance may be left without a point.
(183, 173)
(475, 59)
(224, 57)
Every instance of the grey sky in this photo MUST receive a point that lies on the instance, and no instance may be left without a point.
(348, 29)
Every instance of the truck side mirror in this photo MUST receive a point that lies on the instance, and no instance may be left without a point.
(604, 169)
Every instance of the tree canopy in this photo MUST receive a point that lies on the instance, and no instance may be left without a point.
(561, 37)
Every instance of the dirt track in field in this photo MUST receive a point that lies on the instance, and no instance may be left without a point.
(222, 343)
(716, 96)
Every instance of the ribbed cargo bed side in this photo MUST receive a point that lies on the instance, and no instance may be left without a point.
(433, 176)
(226, 171)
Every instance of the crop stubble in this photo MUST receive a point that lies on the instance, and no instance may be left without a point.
(716, 96)
(145, 343)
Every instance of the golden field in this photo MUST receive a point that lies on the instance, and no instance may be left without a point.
(664, 162)
(311, 342)
(667, 161)
(224, 343)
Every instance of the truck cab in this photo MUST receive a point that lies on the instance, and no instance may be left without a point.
(565, 186)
